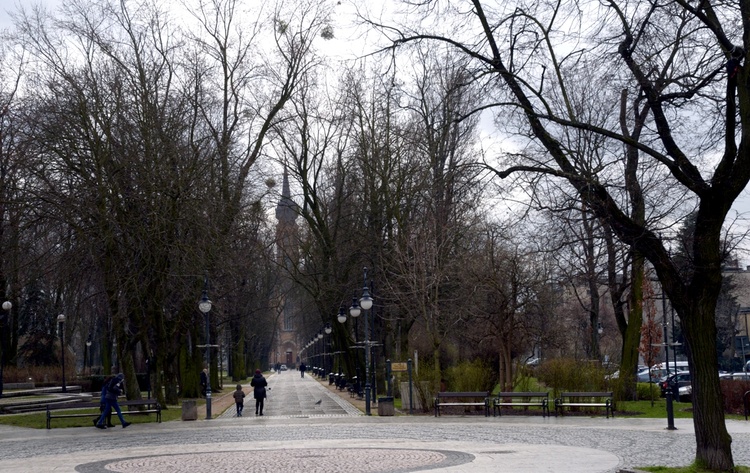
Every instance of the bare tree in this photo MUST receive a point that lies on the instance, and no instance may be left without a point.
(657, 55)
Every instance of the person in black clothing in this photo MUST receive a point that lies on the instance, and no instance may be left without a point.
(239, 399)
(259, 384)
(204, 381)
(114, 389)
(302, 369)
(103, 403)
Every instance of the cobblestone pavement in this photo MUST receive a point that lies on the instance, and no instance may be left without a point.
(290, 395)
(298, 434)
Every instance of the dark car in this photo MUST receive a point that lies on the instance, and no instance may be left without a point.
(674, 382)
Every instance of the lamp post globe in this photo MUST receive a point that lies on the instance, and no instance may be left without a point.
(342, 315)
(205, 304)
(355, 310)
(366, 301)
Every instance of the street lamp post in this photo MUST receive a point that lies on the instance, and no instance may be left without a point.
(327, 329)
(87, 355)
(366, 304)
(7, 305)
(205, 306)
(321, 356)
(61, 323)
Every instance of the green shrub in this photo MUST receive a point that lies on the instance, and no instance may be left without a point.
(644, 391)
(565, 374)
(424, 384)
(469, 376)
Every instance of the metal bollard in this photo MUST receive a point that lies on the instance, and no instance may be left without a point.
(670, 411)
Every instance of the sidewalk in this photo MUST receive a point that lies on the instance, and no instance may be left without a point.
(356, 402)
(223, 400)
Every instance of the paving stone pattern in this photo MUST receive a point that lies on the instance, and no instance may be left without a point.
(298, 434)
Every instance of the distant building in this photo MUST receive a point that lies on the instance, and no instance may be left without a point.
(285, 346)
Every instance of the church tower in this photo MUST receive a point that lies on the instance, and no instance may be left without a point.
(285, 348)
(286, 226)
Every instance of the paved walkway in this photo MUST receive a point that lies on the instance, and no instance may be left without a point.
(300, 434)
(290, 395)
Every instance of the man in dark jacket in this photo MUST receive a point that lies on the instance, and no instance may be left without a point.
(114, 389)
(103, 402)
(259, 384)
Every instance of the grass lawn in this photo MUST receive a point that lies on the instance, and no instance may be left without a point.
(688, 469)
(644, 409)
(38, 420)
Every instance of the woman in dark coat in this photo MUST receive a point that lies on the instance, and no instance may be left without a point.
(259, 384)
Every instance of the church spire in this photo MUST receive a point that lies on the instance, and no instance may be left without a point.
(286, 208)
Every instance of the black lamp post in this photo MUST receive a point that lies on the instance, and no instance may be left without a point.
(327, 329)
(7, 305)
(205, 306)
(87, 355)
(321, 356)
(364, 303)
(61, 323)
(342, 319)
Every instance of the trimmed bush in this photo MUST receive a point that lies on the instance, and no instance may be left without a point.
(733, 392)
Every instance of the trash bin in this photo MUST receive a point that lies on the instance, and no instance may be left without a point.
(385, 406)
(189, 409)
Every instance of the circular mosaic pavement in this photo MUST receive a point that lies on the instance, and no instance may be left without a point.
(308, 460)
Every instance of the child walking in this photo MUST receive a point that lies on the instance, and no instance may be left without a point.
(239, 397)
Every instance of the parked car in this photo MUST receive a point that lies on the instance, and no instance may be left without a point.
(685, 393)
(283, 368)
(740, 375)
(643, 376)
(660, 370)
(674, 382)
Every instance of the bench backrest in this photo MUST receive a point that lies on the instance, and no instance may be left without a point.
(524, 394)
(466, 394)
(586, 394)
(138, 402)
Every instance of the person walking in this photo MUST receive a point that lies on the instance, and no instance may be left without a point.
(114, 389)
(239, 399)
(103, 403)
(259, 384)
(302, 369)
(204, 381)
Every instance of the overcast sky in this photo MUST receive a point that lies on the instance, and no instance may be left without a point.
(6, 6)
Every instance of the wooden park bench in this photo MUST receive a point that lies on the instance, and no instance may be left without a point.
(521, 399)
(467, 399)
(150, 405)
(585, 399)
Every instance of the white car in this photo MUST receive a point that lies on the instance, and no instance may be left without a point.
(685, 392)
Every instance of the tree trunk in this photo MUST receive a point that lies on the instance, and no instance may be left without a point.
(713, 442)
(631, 337)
